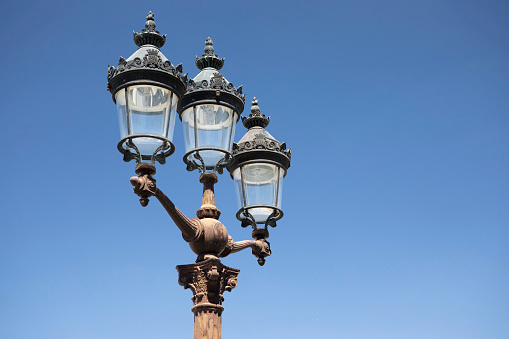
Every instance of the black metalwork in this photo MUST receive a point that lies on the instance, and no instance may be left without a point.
(210, 86)
(195, 153)
(209, 59)
(247, 219)
(149, 35)
(160, 154)
(256, 147)
(256, 118)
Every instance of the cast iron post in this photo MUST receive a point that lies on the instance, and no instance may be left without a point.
(207, 280)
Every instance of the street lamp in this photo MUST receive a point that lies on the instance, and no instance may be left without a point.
(149, 91)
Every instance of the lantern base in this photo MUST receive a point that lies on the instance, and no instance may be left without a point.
(247, 218)
(199, 163)
(145, 168)
(160, 154)
(260, 234)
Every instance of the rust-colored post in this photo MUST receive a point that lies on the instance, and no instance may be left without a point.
(208, 208)
(207, 280)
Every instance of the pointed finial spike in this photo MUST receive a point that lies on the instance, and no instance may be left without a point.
(256, 118)
(254, 108)
(149, 35)
(209, 50)
(150, 24)
(209, 59)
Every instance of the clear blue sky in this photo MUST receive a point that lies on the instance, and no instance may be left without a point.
(396, 204)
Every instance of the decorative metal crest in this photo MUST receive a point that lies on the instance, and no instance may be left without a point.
(151, 60)
(217, 82)
(261, 142)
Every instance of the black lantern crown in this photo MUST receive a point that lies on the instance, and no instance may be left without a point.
(209, 59)
(211, 85)
(256, 118)
(257, 138)
(149, 35)
(146, 62)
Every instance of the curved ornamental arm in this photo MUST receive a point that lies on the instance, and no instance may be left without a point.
(145, 186)
(260, 248)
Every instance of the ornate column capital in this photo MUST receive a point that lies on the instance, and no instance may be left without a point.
(208, 280)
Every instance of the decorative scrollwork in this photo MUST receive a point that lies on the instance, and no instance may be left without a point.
(151, 60)
(216, 82)
(260, 142)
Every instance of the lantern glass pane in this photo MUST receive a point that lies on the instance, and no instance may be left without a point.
(239, 193)
(209, 126)
(148, 110)
(260, 183)
(122, 115)
(280, 188)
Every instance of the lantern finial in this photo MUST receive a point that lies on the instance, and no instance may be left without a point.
(209, 59)
(256, 118)
(149, 35)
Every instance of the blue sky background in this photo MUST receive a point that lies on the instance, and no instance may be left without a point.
(396, 204)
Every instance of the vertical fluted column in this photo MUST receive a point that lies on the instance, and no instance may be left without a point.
(207, 280)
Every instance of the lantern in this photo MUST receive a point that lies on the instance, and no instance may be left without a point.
(258, 167)
(146, 88)
(209, 111)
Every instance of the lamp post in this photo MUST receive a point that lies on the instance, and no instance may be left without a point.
(149, 92)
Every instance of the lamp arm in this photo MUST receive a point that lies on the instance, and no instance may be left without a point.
(145, 186)
(260, 248)
(191, 228)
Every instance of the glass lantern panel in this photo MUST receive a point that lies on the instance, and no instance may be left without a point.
(170, 126)
(260, 183)
(239, 192)
(280, 188)
(209, 126)
(122, 115)
(188, 125)
(148, 110)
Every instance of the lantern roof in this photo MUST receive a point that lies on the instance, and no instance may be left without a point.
(258, 145)
(147, 65)
(210, 86)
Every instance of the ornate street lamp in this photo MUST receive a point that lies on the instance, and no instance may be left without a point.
(258, 167)
(209, 112)
(149, 91)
